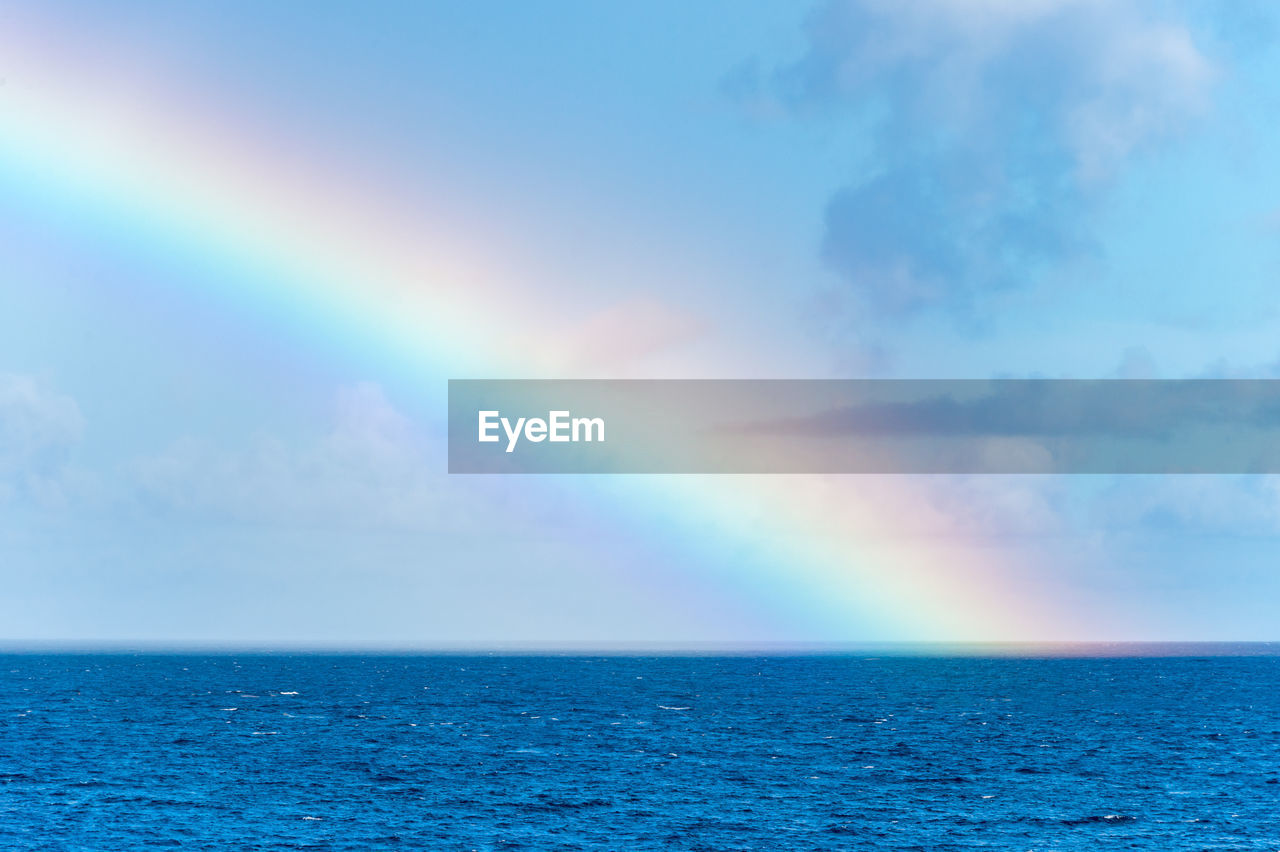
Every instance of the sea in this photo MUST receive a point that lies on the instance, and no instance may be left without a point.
(276, 751)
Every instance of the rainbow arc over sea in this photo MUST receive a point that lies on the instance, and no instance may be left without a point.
(823, 557)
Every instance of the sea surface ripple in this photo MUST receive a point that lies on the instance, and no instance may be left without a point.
(344, 752)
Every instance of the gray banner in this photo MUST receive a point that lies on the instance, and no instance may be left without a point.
(865, 426)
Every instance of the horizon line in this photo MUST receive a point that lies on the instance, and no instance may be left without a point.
(904, 648)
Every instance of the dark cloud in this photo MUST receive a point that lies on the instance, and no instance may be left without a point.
(996, 127)
(1145, 409)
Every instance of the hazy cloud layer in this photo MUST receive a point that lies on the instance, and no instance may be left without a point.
(996, 126)
(39, 427)
(371, 468)
(1247, 505)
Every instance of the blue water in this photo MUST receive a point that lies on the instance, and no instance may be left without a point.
(102, 752)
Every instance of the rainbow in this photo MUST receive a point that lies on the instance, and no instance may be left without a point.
(823, 558)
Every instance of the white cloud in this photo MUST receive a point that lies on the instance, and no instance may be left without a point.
(620, 339)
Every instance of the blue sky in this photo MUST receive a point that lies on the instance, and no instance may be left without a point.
(960, 188)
